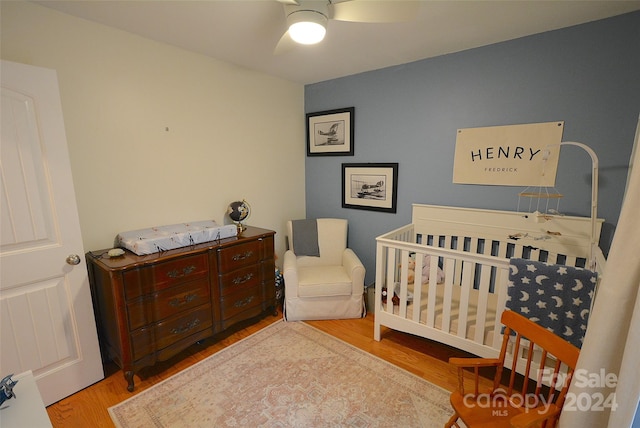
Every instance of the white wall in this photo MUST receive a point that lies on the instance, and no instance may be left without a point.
(159, 135)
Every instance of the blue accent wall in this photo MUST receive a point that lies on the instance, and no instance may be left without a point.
(587, 76)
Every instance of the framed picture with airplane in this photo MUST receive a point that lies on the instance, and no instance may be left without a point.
(330, 132)
(370, 186)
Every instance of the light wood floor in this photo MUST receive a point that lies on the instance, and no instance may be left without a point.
(88, 408)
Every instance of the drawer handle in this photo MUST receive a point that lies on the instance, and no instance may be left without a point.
(244, 302)
(242, 279)
(176, 273)
(188, 298)
(186, 327)
(243, 256)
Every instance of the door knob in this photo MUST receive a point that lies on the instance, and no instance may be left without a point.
(73, 259)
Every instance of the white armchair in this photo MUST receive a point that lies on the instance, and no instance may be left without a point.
(329, 285)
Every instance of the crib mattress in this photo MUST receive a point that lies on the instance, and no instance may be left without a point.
(474, 295)
(163, 238)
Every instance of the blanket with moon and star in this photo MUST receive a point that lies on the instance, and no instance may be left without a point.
(556, 297)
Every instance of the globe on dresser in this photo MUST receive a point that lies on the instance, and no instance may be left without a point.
(238, 211)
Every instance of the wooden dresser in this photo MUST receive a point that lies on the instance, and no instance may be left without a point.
(149, 308)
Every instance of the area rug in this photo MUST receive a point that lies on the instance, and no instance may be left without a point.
(288, 374)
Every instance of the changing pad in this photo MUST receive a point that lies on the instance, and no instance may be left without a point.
(163, 238)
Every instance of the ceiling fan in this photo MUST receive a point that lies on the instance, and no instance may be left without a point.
(307, 19)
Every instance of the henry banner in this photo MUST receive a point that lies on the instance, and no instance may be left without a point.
(511, 155)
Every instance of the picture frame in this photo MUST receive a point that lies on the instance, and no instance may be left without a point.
(370, 186)
(330, 132)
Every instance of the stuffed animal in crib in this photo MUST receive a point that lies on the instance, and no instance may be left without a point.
(426, 267)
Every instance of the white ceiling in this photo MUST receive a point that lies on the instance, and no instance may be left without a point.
(245, 32)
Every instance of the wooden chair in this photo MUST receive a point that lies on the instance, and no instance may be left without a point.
(551, 362)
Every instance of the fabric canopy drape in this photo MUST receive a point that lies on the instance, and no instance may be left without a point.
(606, 387)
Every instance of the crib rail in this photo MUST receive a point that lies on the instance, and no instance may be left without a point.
(461, 311)
(472, 247)
(440, 311)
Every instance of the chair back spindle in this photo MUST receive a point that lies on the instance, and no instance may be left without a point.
(540, 356)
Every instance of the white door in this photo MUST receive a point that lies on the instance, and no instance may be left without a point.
(46, 315)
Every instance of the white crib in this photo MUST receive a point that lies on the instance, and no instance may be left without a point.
(473, 248)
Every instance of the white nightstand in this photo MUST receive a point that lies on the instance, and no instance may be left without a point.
(26, 409)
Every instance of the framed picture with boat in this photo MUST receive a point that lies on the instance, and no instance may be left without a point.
(330, 132)
(370, 186)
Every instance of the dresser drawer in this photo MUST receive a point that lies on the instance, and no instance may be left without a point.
(236, 256)
(235, 303)
(160, 335)
(240, 279)
(138, 282)
(164, 304)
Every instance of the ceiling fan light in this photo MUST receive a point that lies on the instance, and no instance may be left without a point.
(307, 27)
(307, 33)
